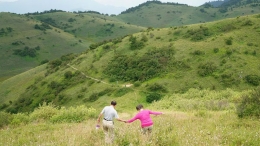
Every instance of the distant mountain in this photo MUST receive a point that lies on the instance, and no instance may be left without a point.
(217, 3)
(158, 14)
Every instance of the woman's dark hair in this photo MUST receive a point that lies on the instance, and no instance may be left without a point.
(138, 107)
(113, 103)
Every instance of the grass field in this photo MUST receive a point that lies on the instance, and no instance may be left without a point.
(173, 128)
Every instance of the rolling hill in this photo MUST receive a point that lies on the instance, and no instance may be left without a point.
(159, 14)
(24, 47)
(36, 38)
(29, 40)
(152, 63)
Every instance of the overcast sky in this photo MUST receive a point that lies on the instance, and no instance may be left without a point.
(102, 6)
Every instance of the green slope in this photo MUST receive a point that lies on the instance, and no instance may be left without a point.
(67, 33)
(157, 14)
(89, 26)
(52, 43)
(217, 55)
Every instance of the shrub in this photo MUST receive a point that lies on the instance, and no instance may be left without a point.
(229, 41)
(198, 34)
(44, 61)
(252, 79)
(216, 50)
(207, 69)
(55, 63)
(135, 44)
(44, 112)
(198, 52)
(31, 52)
(229, 52)
(249, 106)
(68, 75)
(137, 84)
(5, 119)
(93, 97)
(19, 119)
(144, 38)
(151, 97)
(157, 87)
(73, 114)
(229, 79)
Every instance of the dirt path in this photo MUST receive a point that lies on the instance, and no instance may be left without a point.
(125, 85)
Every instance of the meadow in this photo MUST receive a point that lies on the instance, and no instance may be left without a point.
(185, 122)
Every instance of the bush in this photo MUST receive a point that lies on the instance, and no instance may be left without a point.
(73, 114)
(44, 112)
(216, 50)
(157, 87)
(93, 97)
(68, 75)
(252, 79)
(229, 41)
(249, 105)
(44, 61)
(198, 34)
(5, 119)
(19, 119)
(198, 52)
(137, 84)
(207, 69)
(153, 97)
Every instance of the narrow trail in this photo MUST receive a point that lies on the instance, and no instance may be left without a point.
(122, 85)
(89, 76)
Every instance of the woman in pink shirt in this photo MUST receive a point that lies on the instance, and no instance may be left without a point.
(144, 116)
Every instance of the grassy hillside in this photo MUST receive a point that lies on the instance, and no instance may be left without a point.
(88, 26)
(148, 65)
(36, 38)
(32, 46)
(33, 39)
(158, 14)
(198, 117)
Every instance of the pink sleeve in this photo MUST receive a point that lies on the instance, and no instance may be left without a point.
(155, 113)
(133, 119)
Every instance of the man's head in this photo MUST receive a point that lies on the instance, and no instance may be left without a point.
(138, 107)
(113, 103)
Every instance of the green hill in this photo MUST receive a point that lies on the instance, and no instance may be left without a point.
(36, 38)
(148, 65)
(23, 46)
(89, 26)
(29, 40)
(159, 14)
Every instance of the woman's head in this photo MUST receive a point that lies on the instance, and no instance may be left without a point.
(138, 107)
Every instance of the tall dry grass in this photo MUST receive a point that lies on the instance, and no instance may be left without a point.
(172, 128)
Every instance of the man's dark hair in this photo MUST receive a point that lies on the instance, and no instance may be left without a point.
(113, 103)
(138, 107)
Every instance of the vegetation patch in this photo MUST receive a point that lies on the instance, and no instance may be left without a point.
(207, 69)
(134, 68)
(198, 34)
(249, 106)
(31, 52)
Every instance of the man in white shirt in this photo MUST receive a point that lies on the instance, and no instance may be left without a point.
(110, 114)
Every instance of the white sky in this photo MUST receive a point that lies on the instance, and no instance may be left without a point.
(133, 3)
